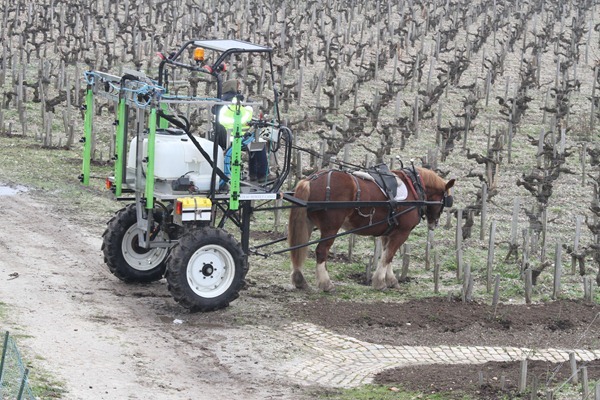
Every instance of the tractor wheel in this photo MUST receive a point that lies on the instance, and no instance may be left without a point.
(206, 269)
(122, 253)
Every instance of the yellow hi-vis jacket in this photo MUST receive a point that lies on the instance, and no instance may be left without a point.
(227, 112)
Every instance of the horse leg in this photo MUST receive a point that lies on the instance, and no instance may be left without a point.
(322, 251)
(378, 281)
(299, 257)
(299, 229)
(385, 273)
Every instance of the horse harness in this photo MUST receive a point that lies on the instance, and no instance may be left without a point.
(328, 187)
(415, 184)
(386, 181)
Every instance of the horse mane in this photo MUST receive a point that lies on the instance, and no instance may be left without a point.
(432, 180)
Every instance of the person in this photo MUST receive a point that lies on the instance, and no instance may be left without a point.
(257, 158)
(229, 90)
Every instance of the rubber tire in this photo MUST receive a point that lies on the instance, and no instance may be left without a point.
(206, 244)
(112, 247)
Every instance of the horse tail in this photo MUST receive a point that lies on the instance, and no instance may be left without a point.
(299, 226)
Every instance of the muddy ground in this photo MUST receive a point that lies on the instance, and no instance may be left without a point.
(97, 338)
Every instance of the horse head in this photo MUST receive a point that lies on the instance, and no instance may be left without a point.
(436, 190)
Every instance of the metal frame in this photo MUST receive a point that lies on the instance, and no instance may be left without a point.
(150, 99)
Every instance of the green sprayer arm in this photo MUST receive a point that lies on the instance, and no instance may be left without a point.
(119, 144)
(87, 136)
(150, 165)
(236, 160)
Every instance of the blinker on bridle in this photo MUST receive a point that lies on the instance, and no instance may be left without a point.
(447, 201)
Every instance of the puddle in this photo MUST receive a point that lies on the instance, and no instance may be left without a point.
(11, 191)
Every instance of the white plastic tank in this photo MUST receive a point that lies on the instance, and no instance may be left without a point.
(176, 156)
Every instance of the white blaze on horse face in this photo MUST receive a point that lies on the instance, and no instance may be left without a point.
(432, 222)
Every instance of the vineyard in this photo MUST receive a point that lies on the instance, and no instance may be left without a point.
(503, 96)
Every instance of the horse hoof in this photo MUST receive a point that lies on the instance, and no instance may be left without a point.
(303, 286)
(329, 288)
(298, 280)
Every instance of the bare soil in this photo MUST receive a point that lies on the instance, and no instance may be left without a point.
(438, 321)
(102, 339)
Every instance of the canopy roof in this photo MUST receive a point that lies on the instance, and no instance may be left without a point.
(231, 44)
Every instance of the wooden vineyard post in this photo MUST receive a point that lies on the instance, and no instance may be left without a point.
(405, 262)
(535, 382)
(436, 273)
(528, 285)
(513, 246)
(351, 242)
(583, 162)
(584, 383)
(544, 231)
(593, 110)
(496, 296)
(467, 284)
(525, 251)
(523, 376)
(351, 237)
(321, 160)
(588, 289)
(448, 224)
(416, 117)
(298, 165)
(557, 272)
(576, 244)
(438, 136)
(573, 364)
(483, 211)
(490, 258)
(459, 244)
(428, 248)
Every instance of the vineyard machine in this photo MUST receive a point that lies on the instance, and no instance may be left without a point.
(182, 187)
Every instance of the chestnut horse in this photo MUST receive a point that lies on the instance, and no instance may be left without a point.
(393, 222)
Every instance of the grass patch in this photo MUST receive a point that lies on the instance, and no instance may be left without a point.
(45, 386)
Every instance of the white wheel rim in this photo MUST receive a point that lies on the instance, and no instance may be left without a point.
(210, 271)
(138, 258)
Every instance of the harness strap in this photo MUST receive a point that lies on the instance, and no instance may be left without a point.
(357, 187)
(328, 188)
(317, 175)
